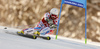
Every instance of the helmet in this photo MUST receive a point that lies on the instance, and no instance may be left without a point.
(54, 11)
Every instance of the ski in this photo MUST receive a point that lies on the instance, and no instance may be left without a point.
(27, 35)
(34, 36)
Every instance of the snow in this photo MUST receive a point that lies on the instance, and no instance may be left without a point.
(10, 41)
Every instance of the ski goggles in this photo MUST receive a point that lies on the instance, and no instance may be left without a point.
(53, 16)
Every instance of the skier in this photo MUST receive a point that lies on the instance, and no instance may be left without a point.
(46, 25)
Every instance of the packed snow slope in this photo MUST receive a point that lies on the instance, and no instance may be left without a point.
(11, 41)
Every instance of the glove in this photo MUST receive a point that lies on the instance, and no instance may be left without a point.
(50, 21)
(47, 19)
(53, 26)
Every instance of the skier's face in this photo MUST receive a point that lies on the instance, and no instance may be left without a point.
(53, 16)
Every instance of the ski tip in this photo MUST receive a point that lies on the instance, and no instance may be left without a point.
(5, 28)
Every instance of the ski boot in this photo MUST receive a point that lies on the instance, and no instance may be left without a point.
(37, 33)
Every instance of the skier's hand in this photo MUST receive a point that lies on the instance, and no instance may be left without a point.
(50, 21)
(47, 19)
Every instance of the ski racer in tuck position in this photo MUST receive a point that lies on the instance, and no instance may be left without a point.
(45, 26)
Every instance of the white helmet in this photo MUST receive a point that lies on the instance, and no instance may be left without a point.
(54, 11)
